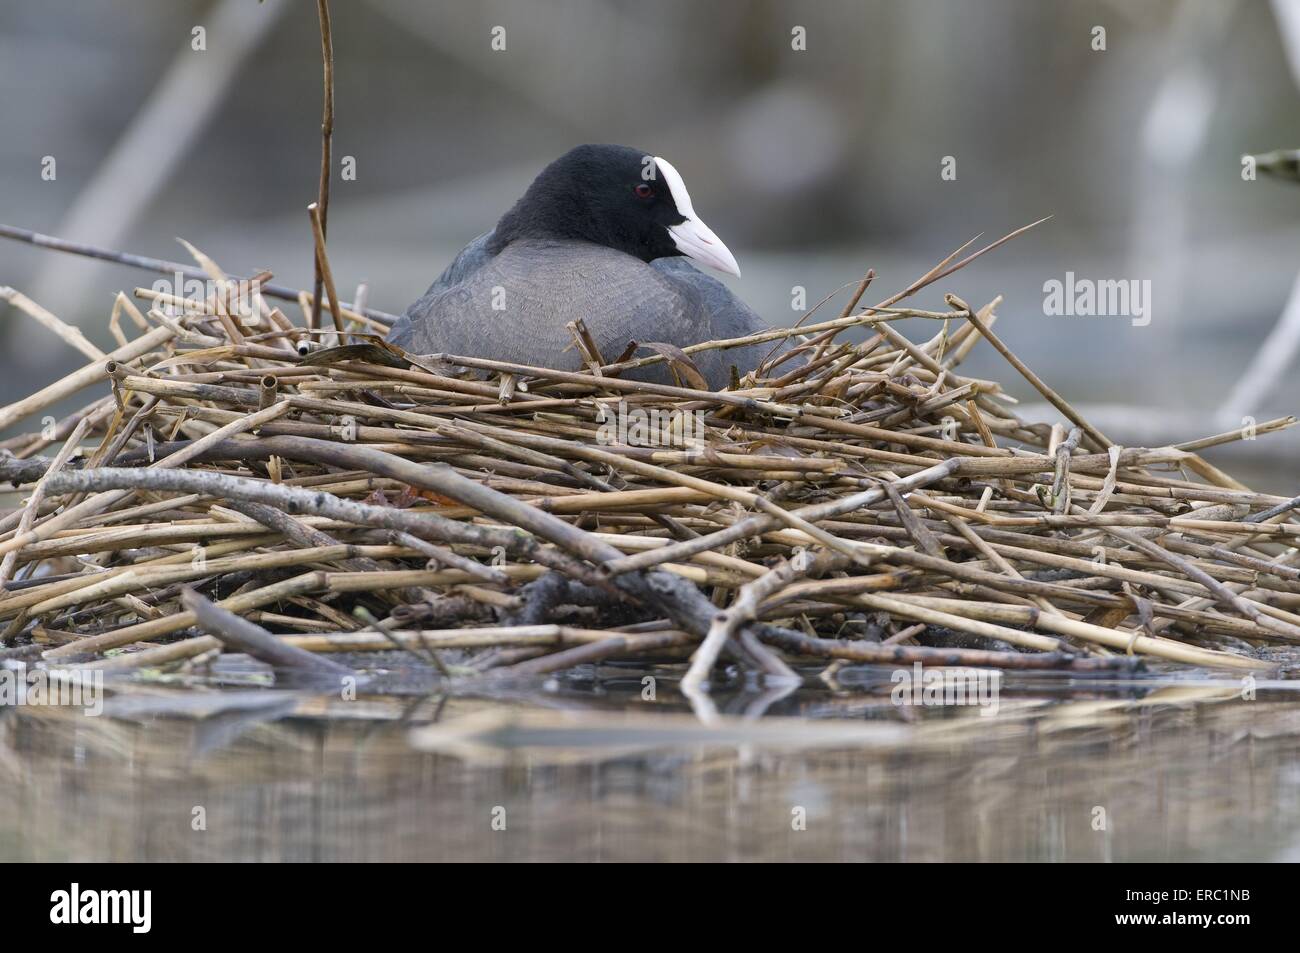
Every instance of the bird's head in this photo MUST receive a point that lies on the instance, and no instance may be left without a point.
(619, 197)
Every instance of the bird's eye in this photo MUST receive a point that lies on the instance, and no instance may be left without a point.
(644, 191)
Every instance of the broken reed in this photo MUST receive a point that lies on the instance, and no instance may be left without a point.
(866, 503)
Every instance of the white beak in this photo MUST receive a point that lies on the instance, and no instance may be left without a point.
(696, 240)
(692, 237)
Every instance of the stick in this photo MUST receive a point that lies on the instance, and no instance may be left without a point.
(323, 192)
(170, 268)
(243, 636)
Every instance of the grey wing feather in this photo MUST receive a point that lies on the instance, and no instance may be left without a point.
(723, 315)
(471, 258)
(514, 306)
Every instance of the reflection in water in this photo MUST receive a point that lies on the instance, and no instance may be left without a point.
(1182, 772)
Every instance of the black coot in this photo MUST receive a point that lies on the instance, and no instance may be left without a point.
(602, 234)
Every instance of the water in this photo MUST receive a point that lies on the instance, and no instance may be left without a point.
(586, 769)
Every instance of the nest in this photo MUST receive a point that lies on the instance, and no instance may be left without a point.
(251, 485)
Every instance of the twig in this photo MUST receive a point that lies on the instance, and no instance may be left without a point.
(323, 192)
(244, 636)
(163, 267)
(726, 624)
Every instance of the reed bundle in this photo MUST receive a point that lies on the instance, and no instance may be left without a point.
(256, 485)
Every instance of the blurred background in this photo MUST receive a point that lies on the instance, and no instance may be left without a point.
(812, 164)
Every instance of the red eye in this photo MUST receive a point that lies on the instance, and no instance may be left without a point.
(644, 191)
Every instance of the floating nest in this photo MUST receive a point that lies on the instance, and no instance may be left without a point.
(306, 496)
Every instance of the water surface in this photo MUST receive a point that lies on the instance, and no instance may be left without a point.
(585, 768)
